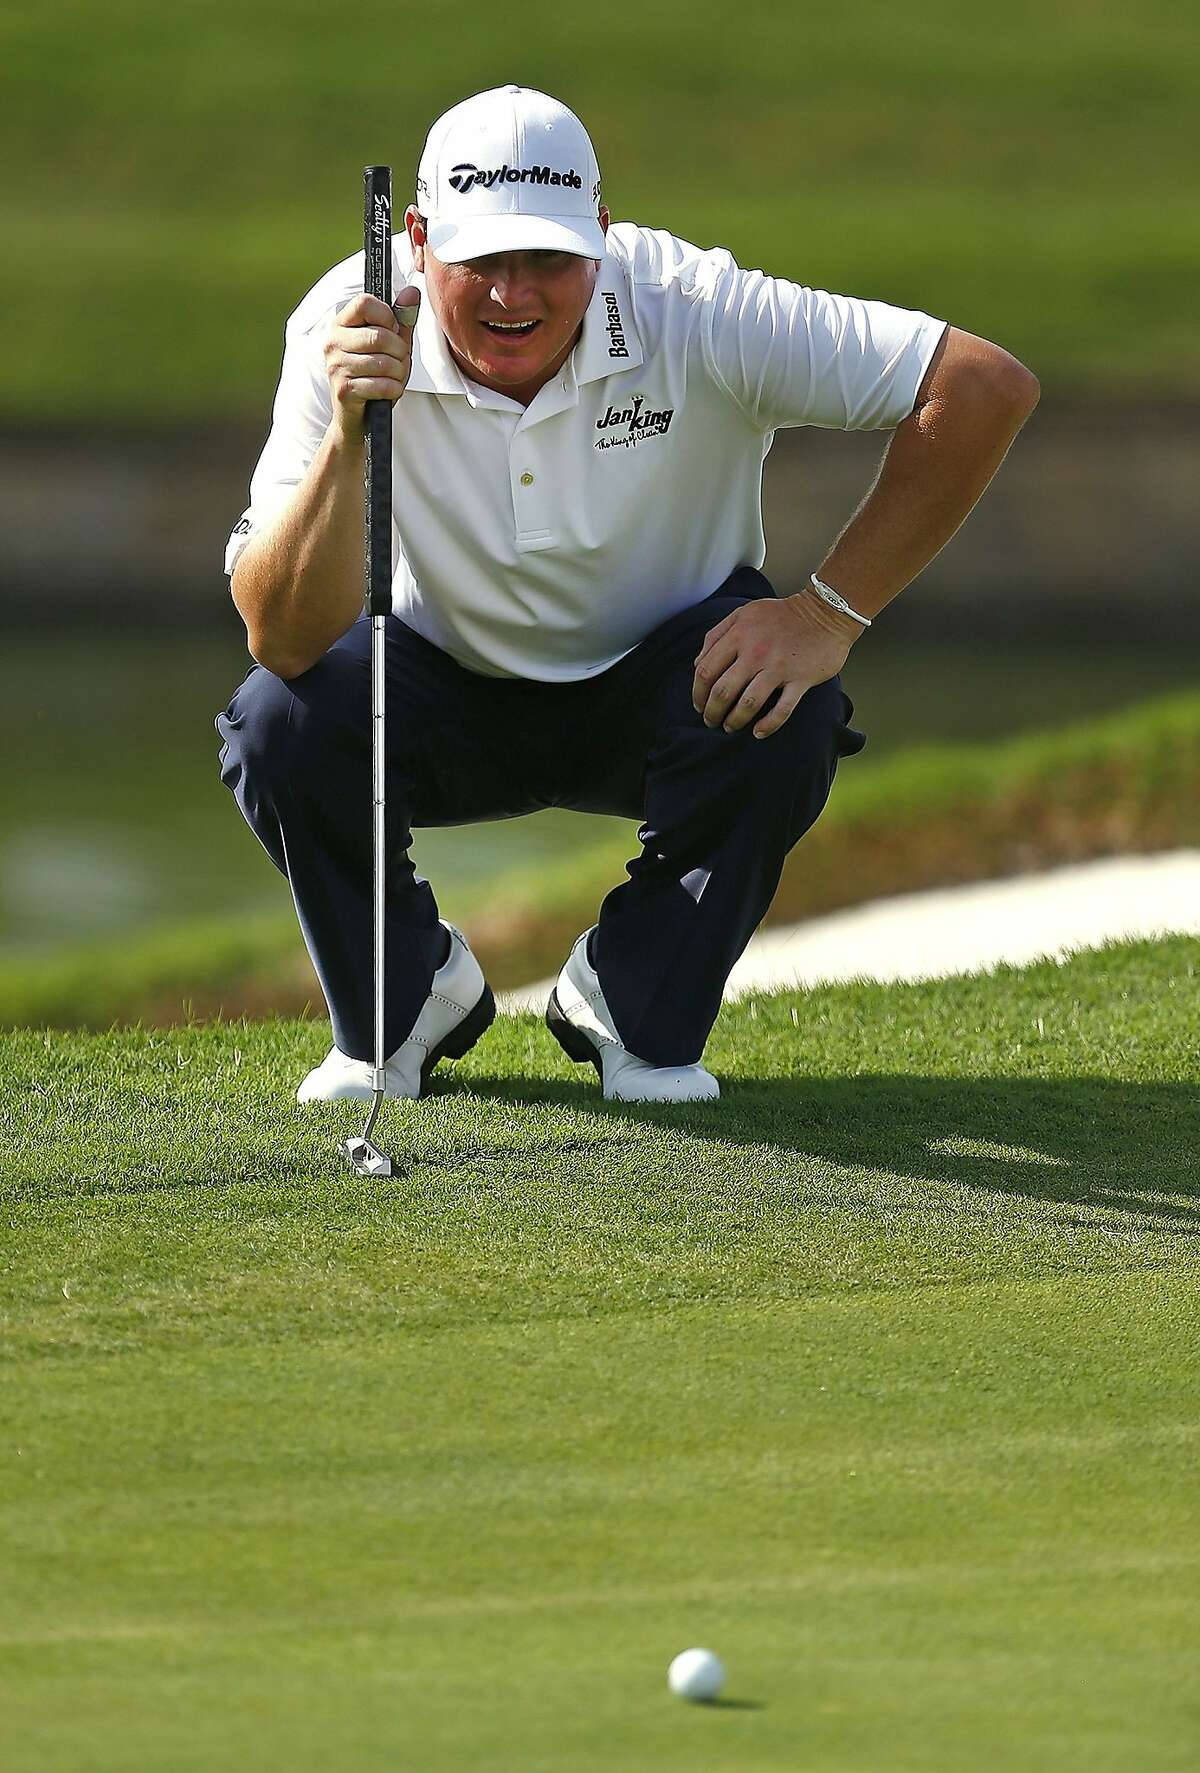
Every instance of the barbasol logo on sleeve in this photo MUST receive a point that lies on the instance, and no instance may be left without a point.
(465, 177)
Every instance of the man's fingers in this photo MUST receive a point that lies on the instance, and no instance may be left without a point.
(364, 389)
(710, 668)
(370, 341)
(367, 310)
(788, 698)
(368, 364)
(715, 634)
(368, 354)
(407, 305)
(756, 693)
(754, 668)
(725, 692)
(357, 364)
(356, 379)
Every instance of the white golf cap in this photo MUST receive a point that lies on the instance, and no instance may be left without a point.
(509, 170)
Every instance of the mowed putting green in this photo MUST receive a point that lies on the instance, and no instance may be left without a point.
(879, 1377)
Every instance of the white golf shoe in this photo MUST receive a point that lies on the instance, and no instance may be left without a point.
(580, 1021)
(459, 1008)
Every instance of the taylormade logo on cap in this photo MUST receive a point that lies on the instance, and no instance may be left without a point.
(512, 170)
(463, 178)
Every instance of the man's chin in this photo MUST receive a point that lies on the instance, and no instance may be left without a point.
(514, 367)
(508, 366)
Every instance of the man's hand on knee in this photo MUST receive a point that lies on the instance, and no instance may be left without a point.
(786, 644)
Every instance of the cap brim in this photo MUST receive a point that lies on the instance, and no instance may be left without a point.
(477, 235)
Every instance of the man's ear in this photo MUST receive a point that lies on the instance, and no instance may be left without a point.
(415, 225)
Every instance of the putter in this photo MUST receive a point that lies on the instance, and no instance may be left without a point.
(366, 1157)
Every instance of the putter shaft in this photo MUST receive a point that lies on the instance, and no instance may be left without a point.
(377, 419)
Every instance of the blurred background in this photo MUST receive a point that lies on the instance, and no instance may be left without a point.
(179, 177)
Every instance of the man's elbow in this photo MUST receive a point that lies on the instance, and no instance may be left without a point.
(1003, 382)
(283, 661)
(279, 664)
(262, 645)
(971, 375)
(1017, 389)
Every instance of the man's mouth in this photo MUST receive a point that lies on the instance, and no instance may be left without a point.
(511, 329)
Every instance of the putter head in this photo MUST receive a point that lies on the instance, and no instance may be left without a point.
(366, 1158)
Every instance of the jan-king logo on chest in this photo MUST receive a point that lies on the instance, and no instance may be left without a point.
(623, 427)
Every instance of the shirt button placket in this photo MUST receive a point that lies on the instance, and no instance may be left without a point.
(532, 530)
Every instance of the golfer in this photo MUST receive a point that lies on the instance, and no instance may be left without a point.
(579, 615)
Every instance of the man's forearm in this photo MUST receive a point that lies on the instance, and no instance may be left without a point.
(299, 584)
(974, 400)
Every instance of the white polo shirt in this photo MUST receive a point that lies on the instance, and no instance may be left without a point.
(546, 541)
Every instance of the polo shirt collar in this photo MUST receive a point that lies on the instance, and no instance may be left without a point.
(609, 343)
(433, 371)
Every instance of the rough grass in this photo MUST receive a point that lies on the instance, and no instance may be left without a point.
(1020, 176)
(934, 815)
(878, 1375)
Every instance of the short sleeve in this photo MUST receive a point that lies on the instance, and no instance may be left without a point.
(299, 420)
(789, 355)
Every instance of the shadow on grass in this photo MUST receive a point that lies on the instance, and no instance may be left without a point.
(1081, 1144)
(1081, 1141)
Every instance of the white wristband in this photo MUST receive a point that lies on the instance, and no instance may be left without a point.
(830, 596)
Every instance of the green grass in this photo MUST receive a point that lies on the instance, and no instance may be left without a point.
(926, 817)
(879, 1376)
(1022, 175)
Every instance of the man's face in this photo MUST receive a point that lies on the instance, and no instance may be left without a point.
(511, 319)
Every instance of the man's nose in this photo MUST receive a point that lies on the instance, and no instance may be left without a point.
(512, 283)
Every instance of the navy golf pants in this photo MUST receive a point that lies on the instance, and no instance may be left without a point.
(719, 811)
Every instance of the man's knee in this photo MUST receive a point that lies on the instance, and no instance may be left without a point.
(256, 730)
(805, 741)
(706, 775)
(781, 782)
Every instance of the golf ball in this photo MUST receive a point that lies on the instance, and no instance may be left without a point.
(696, 1674)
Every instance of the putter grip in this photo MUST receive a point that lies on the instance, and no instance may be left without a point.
(377, 275)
